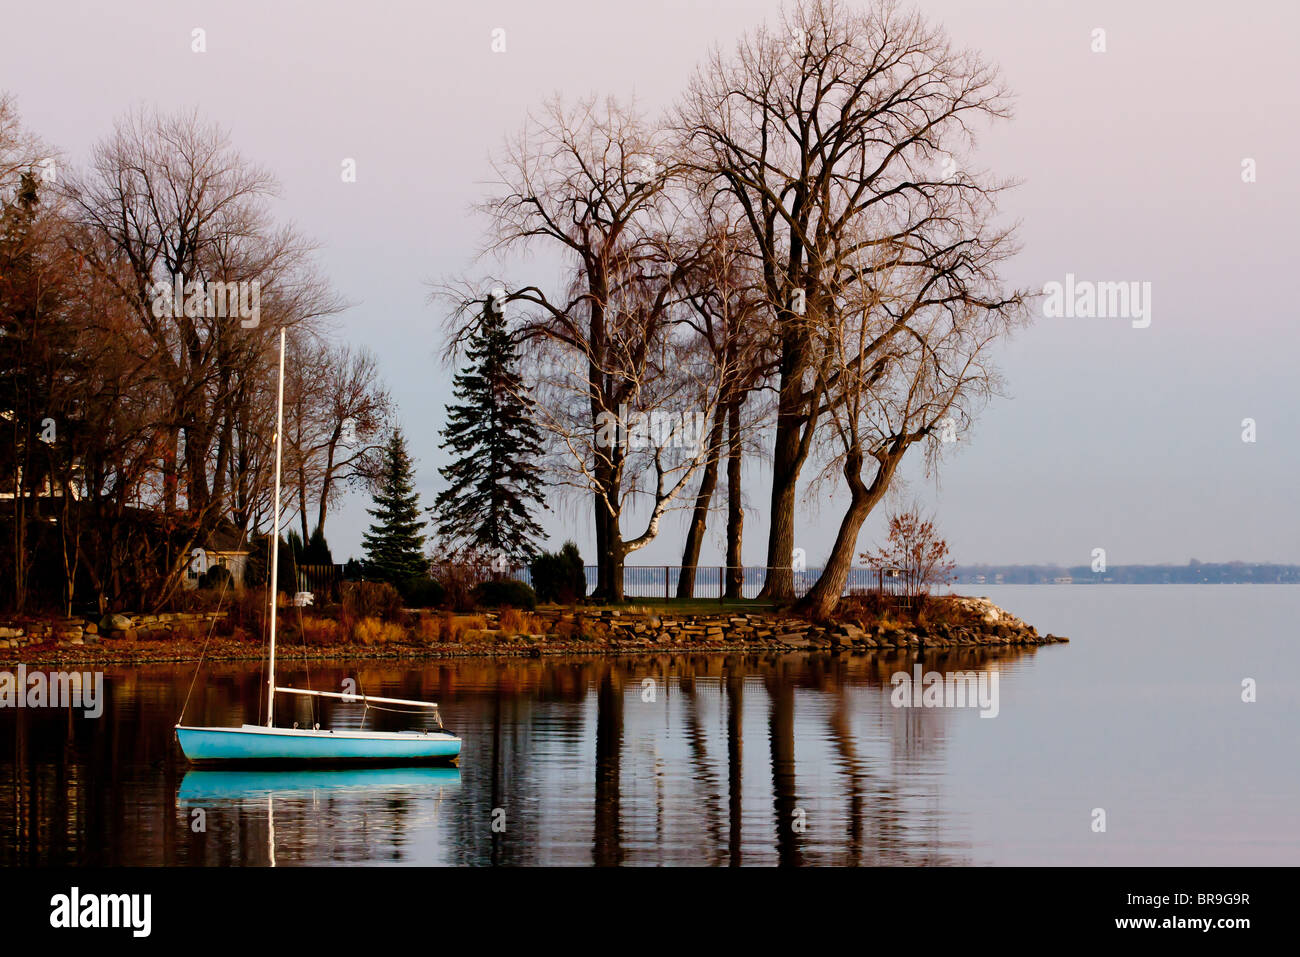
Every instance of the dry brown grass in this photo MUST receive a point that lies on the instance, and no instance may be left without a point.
(514, 621)
(322, 631)
(464, 626)
(372, 631)
(429, 628)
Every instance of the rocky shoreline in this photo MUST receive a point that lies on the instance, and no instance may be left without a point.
(121, 639)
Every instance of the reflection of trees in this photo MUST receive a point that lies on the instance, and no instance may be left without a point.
(703, 774)
(735, 756)
(104, 792)
(780, 725)
(607, 848)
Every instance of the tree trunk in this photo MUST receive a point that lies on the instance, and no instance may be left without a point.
(171, 436)
(326, 483)
(302, 507)
(735, 508)
(700, 516)
(604, 583)
(610, 554)
(788, 454)
(822, 600)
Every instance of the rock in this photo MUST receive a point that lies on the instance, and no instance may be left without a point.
(116, 623)
(14, 632)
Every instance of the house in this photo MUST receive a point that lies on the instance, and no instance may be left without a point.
(226, 549)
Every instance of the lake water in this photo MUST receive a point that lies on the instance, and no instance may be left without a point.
(725, 760)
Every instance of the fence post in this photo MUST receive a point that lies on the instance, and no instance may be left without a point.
(665, 583)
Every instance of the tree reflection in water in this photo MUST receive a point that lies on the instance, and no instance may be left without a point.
(569, 755)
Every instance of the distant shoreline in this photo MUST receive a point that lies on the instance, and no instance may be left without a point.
(1192, 573)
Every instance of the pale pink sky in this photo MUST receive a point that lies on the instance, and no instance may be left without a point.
(1116, 437)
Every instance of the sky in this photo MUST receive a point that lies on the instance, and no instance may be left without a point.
(1131, 168)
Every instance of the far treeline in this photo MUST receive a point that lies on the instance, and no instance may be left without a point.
(1193, 573)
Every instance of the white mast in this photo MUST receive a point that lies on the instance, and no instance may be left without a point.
(275, 541)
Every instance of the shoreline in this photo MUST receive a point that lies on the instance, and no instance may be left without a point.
(556, 632)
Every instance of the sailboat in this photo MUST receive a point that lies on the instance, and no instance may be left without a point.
(264, 745)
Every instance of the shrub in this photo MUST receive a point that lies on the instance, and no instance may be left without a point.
(372, 631)
(371, 600)
(430, 628)
(322, 631)
(459, 627)
(248, 611)
(916, 551)
(216, 577)
(515, 622)
(421, 591)
(202, 600)
(459, 576)
(495, 594)
(559, 576)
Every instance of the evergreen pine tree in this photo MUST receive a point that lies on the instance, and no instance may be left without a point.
(317, 550)
(395, 543)
(492, 433)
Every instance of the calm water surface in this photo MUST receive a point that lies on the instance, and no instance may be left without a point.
(745, 759)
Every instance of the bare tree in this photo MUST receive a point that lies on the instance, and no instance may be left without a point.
(168, 204)
(611, 364)
(724, 293)
(337, 413)
(823, 130)
(904, 358)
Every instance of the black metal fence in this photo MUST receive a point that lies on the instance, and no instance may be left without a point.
(325, 582)
(662, 582)
(711, 581)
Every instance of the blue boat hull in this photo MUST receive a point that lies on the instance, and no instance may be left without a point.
(259, 745)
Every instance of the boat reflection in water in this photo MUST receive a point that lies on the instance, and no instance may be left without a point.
(302, 798)
(246, 785)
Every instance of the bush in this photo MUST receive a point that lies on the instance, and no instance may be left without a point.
(429, 628)
(505, 592)
(421, 591)
(372, 631)
(248, 612)
(371, 600)
(458, 580)
(217, 577)
(514, 622)
(454, 628)
(559, 576)
(322, 631)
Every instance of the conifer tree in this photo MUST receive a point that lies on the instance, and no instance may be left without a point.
(395, 543)
(491, 430)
